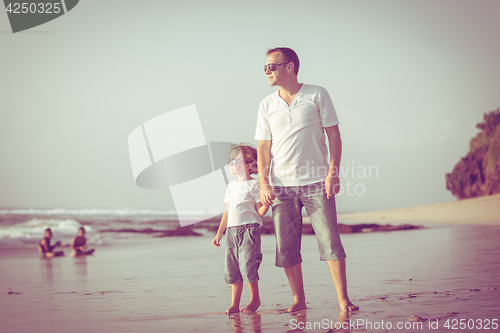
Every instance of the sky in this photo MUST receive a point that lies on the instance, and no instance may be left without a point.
(409, 80)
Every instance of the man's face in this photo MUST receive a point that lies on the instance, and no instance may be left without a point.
(81, 232)
(276, 77)
(48, 234)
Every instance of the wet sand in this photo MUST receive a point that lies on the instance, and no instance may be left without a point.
(176, 285)
(482, 210)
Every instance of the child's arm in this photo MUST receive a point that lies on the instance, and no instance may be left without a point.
(261, 209)
(222, 228)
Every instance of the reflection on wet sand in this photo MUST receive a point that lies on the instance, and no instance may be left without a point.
(299, 321)
(246, 322)
(47, 271)
(80, 264)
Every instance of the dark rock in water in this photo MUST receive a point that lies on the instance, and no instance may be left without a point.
(373, 227)
(478, 173)
(140, 231)
(180, 231)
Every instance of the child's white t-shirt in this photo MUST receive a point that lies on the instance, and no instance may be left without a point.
(242, 197)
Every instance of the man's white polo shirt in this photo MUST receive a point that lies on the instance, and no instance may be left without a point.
(298, 151)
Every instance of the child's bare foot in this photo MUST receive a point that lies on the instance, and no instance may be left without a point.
(232, 309)
(252, 306)
(297, 306)
(348, 306)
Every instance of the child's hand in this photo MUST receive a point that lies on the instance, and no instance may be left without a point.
(216, 241)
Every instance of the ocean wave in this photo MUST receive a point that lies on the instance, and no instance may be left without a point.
(31, 231)
(86, 211)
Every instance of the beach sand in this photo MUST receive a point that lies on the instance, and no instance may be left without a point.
(482, 210)
(445, 274)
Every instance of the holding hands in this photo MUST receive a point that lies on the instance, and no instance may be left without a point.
(266, 195)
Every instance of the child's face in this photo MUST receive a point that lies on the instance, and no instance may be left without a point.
(236, 165)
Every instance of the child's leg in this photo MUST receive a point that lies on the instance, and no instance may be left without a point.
(232, 273)
(249, 266)
(254, 303)
(236, 290)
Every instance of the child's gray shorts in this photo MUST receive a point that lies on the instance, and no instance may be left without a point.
(243, 255)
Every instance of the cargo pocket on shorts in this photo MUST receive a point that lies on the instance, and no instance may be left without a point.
(254, 234)
(258, 258)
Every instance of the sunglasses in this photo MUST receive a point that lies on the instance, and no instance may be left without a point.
(272, 67)
(234, 161)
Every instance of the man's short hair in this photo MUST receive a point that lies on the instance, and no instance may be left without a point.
(288, 55)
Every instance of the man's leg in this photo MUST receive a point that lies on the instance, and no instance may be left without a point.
(294, 275)
(338, 271)
(323, 214)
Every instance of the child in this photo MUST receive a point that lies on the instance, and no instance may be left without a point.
(79, 244)
(46, 249)
(243, 220)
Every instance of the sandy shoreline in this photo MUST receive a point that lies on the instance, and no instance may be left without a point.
(176, 285)
(482, 210)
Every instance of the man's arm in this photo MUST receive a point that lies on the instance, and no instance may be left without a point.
(332, 182)
(263, 165)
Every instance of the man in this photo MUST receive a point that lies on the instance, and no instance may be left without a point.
(79, 244)
(46, 249)
(294, 171)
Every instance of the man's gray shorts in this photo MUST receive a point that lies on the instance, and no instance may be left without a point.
(243, 255)
(287, 215)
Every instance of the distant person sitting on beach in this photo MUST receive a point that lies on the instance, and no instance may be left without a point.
(46, 249)
(79, 244)
(242, 218)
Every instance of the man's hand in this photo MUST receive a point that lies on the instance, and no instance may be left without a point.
(332, 185)
(266, 195)
(216, 241)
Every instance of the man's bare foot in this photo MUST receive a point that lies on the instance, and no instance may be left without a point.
(232, 309)
(348, 306)
(297, 306)
(252, 306)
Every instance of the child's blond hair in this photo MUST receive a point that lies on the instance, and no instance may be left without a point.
(249, 155)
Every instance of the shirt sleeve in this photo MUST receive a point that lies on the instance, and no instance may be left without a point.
(263, 131)
(327, 112)
(228, 193)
